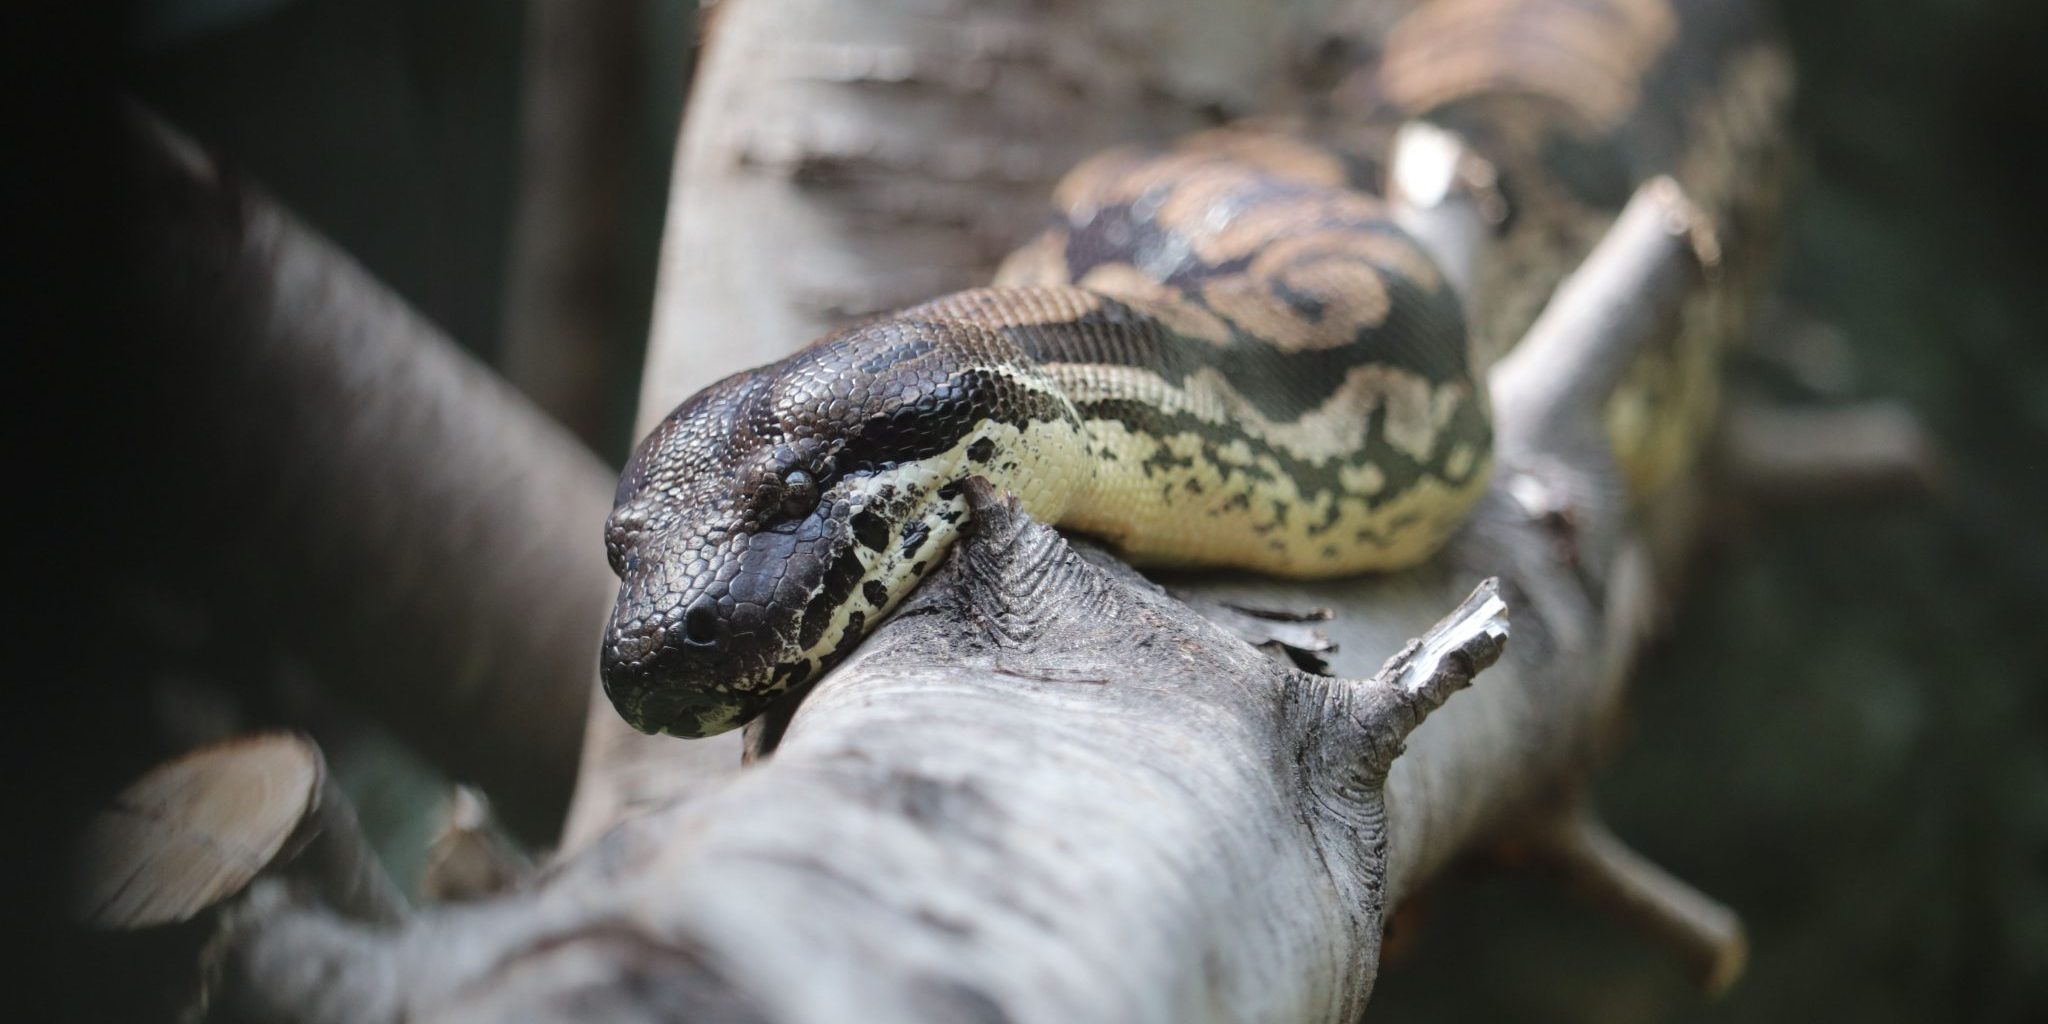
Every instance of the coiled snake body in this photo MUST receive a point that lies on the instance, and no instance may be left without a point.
(1222, 354)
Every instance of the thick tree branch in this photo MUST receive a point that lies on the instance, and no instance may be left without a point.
(1044, 790)
(342, 480)
(165, 875)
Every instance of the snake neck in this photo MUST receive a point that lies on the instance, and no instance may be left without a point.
(1178, 450)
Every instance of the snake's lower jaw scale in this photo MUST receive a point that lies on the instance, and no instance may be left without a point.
(691, 674)
(691, 707)
(654, 696)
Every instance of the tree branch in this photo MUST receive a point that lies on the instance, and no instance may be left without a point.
(1424, 674)
(1704, 933)
(199, 829)
(1447, 197)
(1800, 454)
(341, 479)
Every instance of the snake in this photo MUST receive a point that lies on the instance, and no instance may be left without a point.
(1223, 352)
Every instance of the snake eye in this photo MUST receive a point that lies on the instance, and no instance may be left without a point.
(799, 494)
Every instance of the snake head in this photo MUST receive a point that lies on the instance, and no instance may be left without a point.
(774, 518)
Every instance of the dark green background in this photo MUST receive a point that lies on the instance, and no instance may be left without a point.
(1846, 737)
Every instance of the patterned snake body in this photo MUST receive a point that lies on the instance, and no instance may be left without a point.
(1223, 354)
(1575, 103)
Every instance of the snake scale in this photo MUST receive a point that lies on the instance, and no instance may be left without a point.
(1224, 353)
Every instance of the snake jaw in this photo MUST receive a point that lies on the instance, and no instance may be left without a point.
(763, 609)
(771, 521)
(709, 606)
(776, 607)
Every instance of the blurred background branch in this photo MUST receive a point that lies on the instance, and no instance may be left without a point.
(331, 481)
(567, 309)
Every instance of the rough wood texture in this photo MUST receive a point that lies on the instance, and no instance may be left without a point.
(1044, 790)
(195, 830)
(198, 830)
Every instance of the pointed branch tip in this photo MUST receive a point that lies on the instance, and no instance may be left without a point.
(1429, 669)
(1466, 642)
(996, 515)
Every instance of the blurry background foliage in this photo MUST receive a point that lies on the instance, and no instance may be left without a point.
(1847, 734)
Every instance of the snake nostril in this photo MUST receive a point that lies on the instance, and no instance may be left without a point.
(700, 626)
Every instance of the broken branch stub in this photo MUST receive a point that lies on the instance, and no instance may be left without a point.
(1445, 195)
(196, 831)
(1623, 297)
(1425, 673)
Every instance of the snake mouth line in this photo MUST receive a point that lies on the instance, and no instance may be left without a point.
(689, 665)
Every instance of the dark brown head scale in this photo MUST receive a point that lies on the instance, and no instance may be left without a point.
(752, 521)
